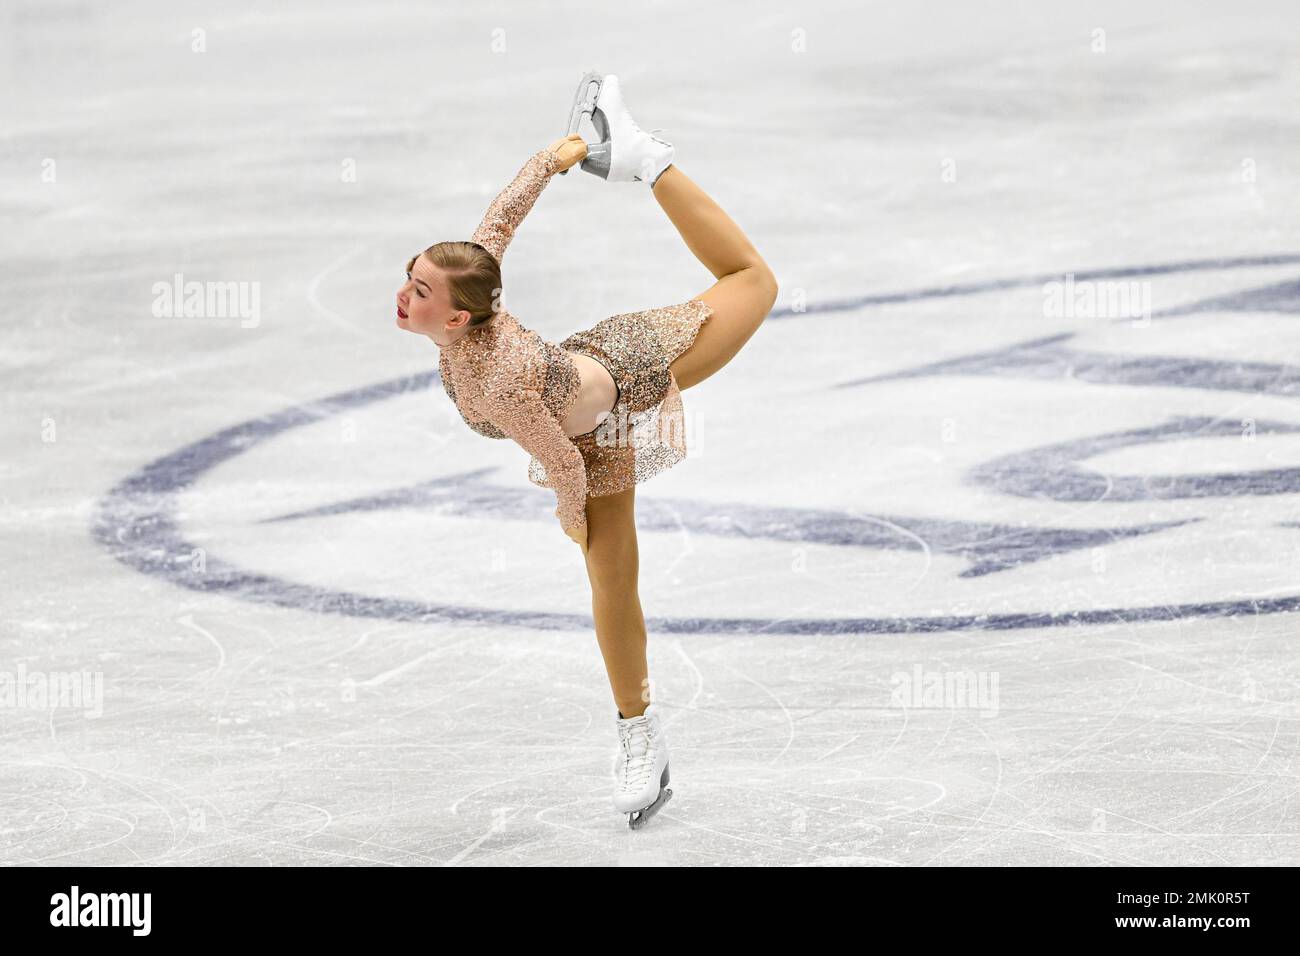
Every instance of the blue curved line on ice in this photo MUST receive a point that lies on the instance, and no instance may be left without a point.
(995, 285)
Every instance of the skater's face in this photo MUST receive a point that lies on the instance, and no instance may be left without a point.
(424, 304)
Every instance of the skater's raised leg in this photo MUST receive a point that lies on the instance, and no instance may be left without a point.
(746, 288)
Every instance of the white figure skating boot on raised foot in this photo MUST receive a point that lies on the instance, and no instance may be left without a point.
(641, 767)
(625, 152)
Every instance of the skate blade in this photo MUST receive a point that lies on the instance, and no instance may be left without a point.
(584, 102)
(638, 819)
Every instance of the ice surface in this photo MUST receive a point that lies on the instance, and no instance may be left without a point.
(334, 626)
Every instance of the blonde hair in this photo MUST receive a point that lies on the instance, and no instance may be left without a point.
(473, 277)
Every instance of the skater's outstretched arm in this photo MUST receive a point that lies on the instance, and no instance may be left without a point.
(512, 204)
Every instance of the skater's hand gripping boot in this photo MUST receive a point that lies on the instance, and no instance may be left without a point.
(570, 150)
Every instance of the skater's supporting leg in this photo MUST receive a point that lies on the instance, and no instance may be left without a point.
(746, 288)
(612, 566)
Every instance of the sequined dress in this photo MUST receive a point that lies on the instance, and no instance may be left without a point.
(509, 382)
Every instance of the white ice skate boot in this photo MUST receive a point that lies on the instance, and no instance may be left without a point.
(641, 767)
(625, 153)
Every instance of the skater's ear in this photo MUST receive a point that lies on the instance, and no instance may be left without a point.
(469, 319)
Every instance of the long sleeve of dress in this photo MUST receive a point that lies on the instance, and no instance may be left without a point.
(522, 416)
(512, 204)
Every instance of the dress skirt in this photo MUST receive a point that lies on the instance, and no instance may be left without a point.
(645, 433)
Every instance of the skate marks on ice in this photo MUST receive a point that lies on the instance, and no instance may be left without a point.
(136, 521)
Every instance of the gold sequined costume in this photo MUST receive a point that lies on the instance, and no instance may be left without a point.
(508, 382)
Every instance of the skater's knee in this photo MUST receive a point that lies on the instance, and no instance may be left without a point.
(765, 287)
(753, 289)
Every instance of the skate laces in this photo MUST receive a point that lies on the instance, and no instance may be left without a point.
(636, 766)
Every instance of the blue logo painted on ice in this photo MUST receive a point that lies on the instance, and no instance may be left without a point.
(137, 520)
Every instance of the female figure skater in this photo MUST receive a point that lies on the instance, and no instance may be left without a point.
(601, 412)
